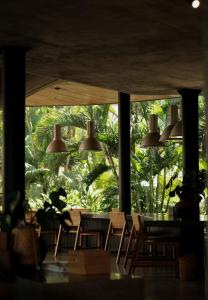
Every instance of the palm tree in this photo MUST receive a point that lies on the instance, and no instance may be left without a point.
(73, 121)
(85, 173)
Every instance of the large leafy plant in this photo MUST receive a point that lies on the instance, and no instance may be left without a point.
(47, 216)
(191, 188)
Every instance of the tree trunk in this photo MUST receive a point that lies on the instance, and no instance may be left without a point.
(163, 189)
(30, 130)
(111, 162)
(157, 193)
(150, 195)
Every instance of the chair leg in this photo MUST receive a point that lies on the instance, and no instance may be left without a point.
(176, 253)
(77, 238)
(98, 240)
(80, 241)
(120, 245)
(107, 238)
(153, 248)
(165, 246)
(128, 247)
(55, 237)
(138, 246)
(58, 239)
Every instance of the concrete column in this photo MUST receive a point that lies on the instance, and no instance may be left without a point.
(124, 152)
(192, 231)
(13, 85)
(190, 129)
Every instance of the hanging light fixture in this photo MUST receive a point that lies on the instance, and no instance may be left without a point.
(90, 143)
(57, 144)
(172, 120)
(152, 138)
(177, 131)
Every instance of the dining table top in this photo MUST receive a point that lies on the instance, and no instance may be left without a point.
(152, 219)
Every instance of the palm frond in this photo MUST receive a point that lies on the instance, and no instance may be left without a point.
(36, 175)
(95, 173)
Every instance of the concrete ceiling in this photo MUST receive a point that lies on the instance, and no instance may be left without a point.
(146, 48)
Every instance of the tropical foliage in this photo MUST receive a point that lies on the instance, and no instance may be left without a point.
(91, 179)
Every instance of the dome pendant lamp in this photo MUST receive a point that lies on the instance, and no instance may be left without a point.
(152, 138)
(90, 143)
(172, 120)
(57, 144)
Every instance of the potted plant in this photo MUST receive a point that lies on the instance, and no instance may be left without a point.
(190, 193)
(47, 216)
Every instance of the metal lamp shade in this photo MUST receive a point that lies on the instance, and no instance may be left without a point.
(90, 143)
(166, 133)
(152, 138)
(177, 131)
(57, 144)
(173, 119)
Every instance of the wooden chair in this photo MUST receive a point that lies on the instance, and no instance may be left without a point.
(31, 219)
(136, 230)
(141, 259)
(48, 235)
(117, 228)
(25, 246)
(82, 210)
(115, 209)
(75, 226)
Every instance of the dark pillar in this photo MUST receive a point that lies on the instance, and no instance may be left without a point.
(190, 153)
(124, 152)
(13, 85)
(190, 129)
(192, 231)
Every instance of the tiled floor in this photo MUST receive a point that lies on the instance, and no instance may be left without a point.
(159, 283)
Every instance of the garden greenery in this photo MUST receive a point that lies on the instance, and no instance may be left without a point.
(91, 179)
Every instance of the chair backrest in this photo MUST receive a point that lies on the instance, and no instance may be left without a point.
(82, 210)
(137, 222)
(30, 217)
(75, 216)
(25, 245)
(115, 209)
(117, 219)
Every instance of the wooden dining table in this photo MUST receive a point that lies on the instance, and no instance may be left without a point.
(149, 219)
(160, 222)
(155, 222)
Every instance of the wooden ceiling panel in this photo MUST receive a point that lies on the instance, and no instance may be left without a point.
(72, 93)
